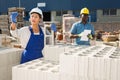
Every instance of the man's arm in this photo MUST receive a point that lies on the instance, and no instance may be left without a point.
(74, 36)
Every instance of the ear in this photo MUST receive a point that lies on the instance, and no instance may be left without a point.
(41, 20)
(81, 15)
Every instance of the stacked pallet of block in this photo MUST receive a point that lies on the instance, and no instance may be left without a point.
(96, 63)
(20, 21)
(9, 57)
(68, 21)
(4, 24)
(80, 63)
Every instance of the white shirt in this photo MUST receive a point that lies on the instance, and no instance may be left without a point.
(23, 34)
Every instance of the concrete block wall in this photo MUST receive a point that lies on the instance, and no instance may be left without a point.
(9, 57)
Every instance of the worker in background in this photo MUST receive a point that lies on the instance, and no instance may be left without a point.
(31, 37)
(82, 30)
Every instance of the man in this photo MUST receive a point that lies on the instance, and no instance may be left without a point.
(82, 30)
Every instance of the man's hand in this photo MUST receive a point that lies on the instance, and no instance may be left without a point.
(90, 36)
(79, 35)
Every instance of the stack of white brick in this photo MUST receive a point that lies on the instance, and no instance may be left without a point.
(77, 62)
(9, 57)
(80, 63)
(52, 52)
(114, 60)
(91, 64)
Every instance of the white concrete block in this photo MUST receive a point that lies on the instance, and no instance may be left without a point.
(8, 60)
(52, 53)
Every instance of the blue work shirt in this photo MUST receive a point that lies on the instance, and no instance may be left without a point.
(78, 28)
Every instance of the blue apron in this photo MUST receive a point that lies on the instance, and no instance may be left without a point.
(34, 47)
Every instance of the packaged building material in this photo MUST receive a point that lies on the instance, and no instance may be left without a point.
(108, 38)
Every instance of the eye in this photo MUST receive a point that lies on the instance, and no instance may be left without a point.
(36, 16)
(31, 16)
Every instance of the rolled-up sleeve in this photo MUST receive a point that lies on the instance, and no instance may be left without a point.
(73, 29)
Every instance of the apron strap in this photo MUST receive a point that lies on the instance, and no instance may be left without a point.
(31, 30)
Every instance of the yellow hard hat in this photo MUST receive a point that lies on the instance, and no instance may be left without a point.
(84, 11)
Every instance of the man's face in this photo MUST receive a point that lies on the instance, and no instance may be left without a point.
(84, 17)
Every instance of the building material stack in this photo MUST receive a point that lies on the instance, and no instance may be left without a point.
(86, 64)
(49, 33)
(20, 21)
(52, 52)
(4, 24)
(68, 21)
(9, 57)
(80, 63)
(5, 40)
(36, 70)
